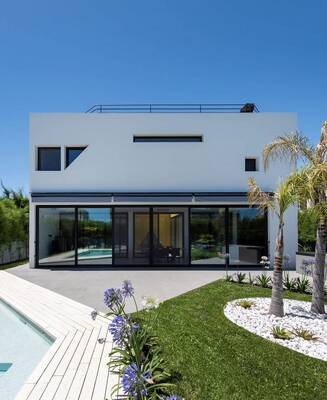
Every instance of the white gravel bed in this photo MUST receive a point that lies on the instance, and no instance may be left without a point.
(297, 316)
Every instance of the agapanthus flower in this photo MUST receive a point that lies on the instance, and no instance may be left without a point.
(172, 397)
(112, 296)
(127, 289)
(94, 314)
(149, 302)
(134, 380)
(120, 328)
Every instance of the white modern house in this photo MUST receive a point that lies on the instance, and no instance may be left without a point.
(153, 186)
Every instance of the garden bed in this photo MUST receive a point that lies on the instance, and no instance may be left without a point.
(304, 331)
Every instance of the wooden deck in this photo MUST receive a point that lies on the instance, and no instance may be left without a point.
(75, 366)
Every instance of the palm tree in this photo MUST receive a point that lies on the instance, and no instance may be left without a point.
(312, 185)
(278, 202)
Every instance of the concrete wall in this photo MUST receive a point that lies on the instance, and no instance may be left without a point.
(16, 251)
(112, 162)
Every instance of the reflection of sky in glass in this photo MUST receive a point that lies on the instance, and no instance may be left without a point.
(96, 214)
(249, 213)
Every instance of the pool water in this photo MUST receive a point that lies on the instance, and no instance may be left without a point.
(21, 348)
(96, 252)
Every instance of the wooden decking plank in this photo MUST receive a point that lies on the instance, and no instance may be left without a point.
(75, 366)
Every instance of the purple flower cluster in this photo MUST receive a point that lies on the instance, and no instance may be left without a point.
(120, 328)
(172, 397)
(127, 289)
(134, 380)
(113, 297)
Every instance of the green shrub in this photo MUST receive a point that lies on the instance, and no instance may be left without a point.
(281, 333)
(240, 277)
(263, 280)
(289, 283)
(246, 303)
(228, 277)
(304, 334)
(302, 284)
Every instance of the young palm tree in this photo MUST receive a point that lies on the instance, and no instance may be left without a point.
(312, 185)
(278, 202)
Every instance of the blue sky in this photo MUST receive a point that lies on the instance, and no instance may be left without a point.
(68, 55)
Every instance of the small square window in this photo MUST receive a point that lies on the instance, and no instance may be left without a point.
(49, 159)
(250, 164)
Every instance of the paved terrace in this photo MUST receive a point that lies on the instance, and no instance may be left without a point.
(75, 366)
(87, 286)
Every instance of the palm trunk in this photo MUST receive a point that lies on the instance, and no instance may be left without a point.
(318, 273)
(276, 304)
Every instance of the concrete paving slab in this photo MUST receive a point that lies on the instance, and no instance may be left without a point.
(87, 286)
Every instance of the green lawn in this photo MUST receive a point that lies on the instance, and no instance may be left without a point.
(12, 265)
(218, 360)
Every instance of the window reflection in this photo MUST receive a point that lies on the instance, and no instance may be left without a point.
(56, 236)
(246, 235)
(94, 236)
(208, 235)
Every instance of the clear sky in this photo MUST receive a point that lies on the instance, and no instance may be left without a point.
(67, 55)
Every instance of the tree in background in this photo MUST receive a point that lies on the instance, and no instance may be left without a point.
(14, 215)
(307, 221)
(277, 202)
(312, 187)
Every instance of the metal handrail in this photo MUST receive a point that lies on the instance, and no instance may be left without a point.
(172, 108)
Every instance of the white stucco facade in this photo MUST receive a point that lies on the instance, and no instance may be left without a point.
(113, 163)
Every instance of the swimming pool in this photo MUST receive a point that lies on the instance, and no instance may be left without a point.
(95, 253)
(21, 348)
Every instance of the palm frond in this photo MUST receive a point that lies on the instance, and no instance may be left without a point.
(310, 183)
(291, 147)
(6, 192)
(322, 146)
(285, 196)
(257, 197)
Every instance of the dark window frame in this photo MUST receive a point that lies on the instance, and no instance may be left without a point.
(39, 149)
(78, 231)
(167, 138)
(149, 213)
(128, 227)
(183, 220)
(67, 149)
(247, 164)
(151, 264)
(76, 234)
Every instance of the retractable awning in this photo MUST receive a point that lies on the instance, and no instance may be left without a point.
(141, 197)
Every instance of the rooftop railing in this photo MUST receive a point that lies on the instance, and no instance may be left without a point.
(174, 108)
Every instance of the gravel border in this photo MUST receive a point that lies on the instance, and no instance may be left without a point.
(297, 315)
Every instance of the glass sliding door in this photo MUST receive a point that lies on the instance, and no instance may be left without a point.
(208, 241)
(94, 233)
(56, 236)
(159, 236)
(121, 232)
(247, 235)
(169, 231)
(141, 236)
(132, 236)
